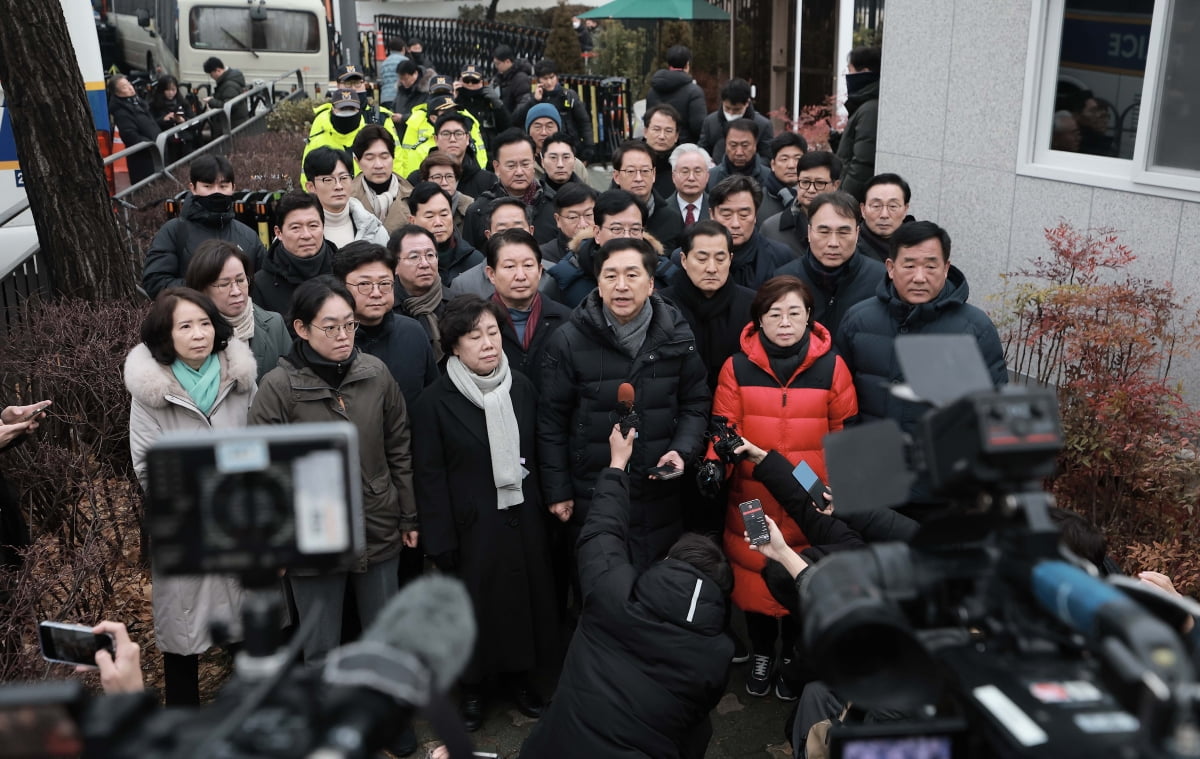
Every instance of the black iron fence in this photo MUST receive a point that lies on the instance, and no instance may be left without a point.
(868, 14)
(450, 44)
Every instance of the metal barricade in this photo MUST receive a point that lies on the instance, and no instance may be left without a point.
(609, 102)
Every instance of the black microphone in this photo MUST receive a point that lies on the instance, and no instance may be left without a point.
(626, 411)
(416, 648)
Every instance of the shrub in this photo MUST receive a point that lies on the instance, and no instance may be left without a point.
(1106, 338)
(620, 52)
(291, 116)
(815, 122)
(562, 46)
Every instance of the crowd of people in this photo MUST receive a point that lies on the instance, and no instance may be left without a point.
(449, 283)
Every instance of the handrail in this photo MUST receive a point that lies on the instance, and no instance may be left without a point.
(18, 208)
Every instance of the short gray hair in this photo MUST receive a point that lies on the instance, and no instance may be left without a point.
(690, 147)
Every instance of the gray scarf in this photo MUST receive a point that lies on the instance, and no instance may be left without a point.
(423, 308)
(381, 203)
(491, 393)
(243, 326)
(631, 336)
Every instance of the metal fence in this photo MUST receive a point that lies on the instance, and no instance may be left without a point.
(29, 274)
(450, 44)
(868, 14)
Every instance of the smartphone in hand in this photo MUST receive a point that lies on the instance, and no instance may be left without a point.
(37, 410)
(665, 472)
(755, 521)
(73, 644)
(809, 480)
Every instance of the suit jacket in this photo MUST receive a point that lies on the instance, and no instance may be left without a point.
(702, 213)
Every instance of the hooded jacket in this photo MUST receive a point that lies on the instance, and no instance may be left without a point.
(857, 148)
(650, 658)
(792, 415)
(514, 84)
(676, 88)
(837, 291)
(867, 336)
(369, 398)
(185, 606)
(581, 371)
(172, 247)
(275, 281)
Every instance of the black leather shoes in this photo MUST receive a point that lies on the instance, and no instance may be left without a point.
(528, 701)
(472, 709)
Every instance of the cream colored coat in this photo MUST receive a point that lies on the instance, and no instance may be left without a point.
(185, 607)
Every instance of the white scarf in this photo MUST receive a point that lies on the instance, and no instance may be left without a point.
(381, 203)
(491, 393)
(243, 326)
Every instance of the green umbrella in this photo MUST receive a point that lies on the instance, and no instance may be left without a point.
(684, 10)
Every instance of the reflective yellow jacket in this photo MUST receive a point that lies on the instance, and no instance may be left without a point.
(418, 140)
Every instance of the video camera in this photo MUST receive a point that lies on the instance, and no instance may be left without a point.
(252, 502)
(979, 631)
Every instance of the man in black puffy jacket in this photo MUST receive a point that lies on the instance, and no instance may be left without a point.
(675, 87)
(650, 658)
(622, 333)
(207, 214)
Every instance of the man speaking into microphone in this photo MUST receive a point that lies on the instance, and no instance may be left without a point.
(622, 333)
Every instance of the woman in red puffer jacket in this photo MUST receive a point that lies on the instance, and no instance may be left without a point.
(785, 391)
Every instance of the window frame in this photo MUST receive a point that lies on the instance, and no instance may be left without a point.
(191, 30)
(1036, 159)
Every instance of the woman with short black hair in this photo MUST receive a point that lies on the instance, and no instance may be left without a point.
(189, 373)
(481, 509)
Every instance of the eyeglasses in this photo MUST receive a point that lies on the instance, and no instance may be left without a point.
(330, 181)
(795, 315)
(471, 80)
(813, 184)
(439, 178)
(877, 206)
(225, 284)
(331, 332)
(575, 217)
(455, 134)
(413, 259)
(620, 230)
(365, 288)
(631, 173)
(691, 172)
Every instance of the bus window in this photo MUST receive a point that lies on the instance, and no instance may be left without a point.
(283, 31)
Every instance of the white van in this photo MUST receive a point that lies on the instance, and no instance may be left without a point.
(264, 39)
(18, 237)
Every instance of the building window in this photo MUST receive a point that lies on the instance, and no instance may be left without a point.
(233, 28)
(1113, 95)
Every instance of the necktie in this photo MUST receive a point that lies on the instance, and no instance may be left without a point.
(690, 219)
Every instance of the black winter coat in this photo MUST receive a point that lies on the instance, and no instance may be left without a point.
(501, 555)
(676, 88)
(875, 246)
(529, 362)
(231, 84)
(514, 85)
(665, 223)
(716, 322)
(275, 282)
(172, 247)
(455, 257)
(789, 227)
(575, 118)
(715, 125)
(650, 658)
(758, 260)
(545, 228)
(581, 371)
(867, 336)
(401, 344)
(132, 118)
(759, 170)
(834, 293)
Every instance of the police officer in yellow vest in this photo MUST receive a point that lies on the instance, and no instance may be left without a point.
(335, 125)
(419, 133)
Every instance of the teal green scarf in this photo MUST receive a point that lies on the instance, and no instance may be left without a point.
(201, 384)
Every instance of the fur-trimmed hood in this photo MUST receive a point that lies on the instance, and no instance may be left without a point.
(150, 382)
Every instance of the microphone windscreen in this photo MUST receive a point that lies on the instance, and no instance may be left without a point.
(625, 393)
(432, 618)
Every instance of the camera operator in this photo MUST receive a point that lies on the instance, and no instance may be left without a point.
(649, 659)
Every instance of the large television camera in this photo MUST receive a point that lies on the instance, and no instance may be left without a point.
(981, 634)
(251, 503)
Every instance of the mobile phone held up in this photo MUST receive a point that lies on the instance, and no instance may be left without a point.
(72, 644)
(809, 480)
(755, 521)
(665, 472)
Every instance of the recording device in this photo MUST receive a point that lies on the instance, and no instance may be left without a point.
(724, 438)
(809, 480)
(627, 414)
(249, 501)
(73, 644)
(980, 621)
(755, 521)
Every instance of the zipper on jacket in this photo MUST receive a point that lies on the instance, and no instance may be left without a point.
(785, 397)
